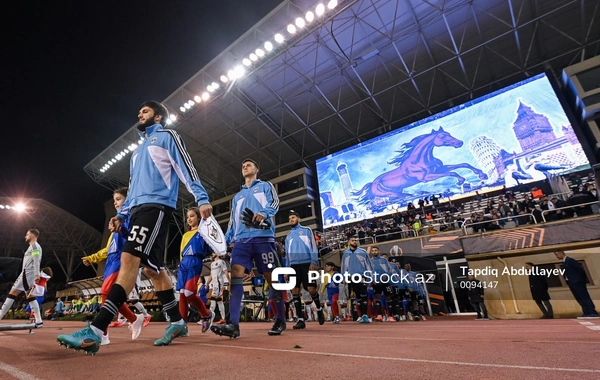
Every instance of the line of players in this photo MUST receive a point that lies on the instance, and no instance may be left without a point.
(395, 304)
(156, 168)
(390, 301)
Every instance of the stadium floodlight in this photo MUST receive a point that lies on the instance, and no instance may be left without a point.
(140, 141)
(187, 105)
(332, 4)
(268, 46)
(291, 29)
(215, 85)
(278, 38)
(205, 96)
(246, 62)
(102, 170)
(197, 99)
(310, 16)
(300, 23)
(182, 109)
(113, 161)
(320, 10)
(239, 71)
(126, 150)
(174, 116)
(1, 207)
(169, 121)
(191, 103)
(231, 75)
(7, 207)
(224, 78)
(20, 207)
(118, 157)
(253, 57)
(260, 53)
(210, 88)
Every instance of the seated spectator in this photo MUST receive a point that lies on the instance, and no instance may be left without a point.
(578, 198)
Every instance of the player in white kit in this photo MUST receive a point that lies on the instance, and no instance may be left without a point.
(28, 278)
(217, 281)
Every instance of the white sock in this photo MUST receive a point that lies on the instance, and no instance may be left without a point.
(179, 322)
(141, 309)
(221, 309)
(97, 331)
(35, 307)
(213, 306)
(121, 318)
(6, 307)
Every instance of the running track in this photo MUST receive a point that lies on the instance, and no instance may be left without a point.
(440, 348)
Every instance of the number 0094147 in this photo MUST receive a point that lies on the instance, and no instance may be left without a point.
(478, 284)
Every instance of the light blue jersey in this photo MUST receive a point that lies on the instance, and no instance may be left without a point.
(261, 198)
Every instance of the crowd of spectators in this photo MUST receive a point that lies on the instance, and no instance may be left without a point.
(482, 212)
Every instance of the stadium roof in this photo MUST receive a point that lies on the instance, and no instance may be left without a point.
(63, 237)
(359, 70)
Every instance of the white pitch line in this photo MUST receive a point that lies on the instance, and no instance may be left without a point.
(15, 372)
(586, 323)
(582, 370)
(444, 339)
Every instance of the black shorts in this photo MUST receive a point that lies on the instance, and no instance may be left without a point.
(148, 229)
(359, 289)
(381, 288)
(302, 276)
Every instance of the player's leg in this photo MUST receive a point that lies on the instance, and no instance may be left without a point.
(241, 264)
(9, 301)
(266, 259)
(312, 290)
(334, 307)
(297, 299)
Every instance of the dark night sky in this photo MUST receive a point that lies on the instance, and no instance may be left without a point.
(74, 74)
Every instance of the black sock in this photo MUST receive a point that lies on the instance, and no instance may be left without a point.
(116, 298)
(354, 310)
(315, 298)
(363, 305)
(398, 308)
(170, 305)
(378, 307)
(299, 307)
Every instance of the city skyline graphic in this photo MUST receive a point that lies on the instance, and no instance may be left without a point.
(516, 135)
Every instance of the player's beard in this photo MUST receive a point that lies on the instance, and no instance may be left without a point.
(142, 127)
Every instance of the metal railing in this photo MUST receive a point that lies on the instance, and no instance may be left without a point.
(568, 207)
(489, 221)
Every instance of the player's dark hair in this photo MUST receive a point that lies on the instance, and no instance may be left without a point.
(250, 160)
(158, 109)
(35, 232)
(122, 191)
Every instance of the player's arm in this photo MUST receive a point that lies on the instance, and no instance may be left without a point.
(228, 276)
(36, 254)
(184, 167)
(314, 251)
(122, 213)
(230, 234)
(343, 263)
(272, 206)
(368, 264)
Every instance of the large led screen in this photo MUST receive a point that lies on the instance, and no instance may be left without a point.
(517, 135)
